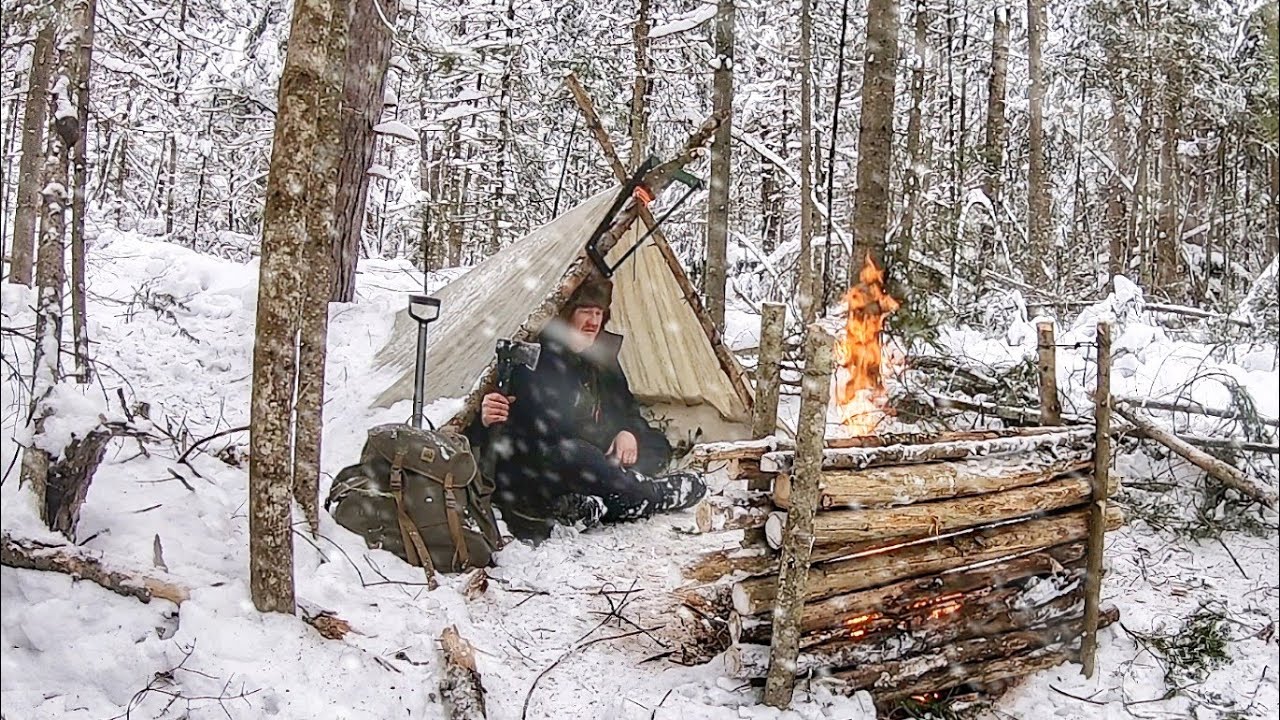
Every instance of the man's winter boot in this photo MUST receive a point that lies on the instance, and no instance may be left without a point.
(569, 510)
(679, 490)
(674, 491)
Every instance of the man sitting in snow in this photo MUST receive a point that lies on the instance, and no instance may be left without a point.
(576, 448)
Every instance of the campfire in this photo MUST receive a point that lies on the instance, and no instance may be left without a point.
(859, 391)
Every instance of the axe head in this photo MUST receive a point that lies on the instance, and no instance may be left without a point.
(512, 353)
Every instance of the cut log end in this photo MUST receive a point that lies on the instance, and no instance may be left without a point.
(460, 685)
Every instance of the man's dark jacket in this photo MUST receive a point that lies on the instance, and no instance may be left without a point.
(565, 416)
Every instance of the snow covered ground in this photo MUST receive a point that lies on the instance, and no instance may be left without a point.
(175, 329)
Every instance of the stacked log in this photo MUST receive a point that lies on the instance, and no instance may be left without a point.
(940, 561)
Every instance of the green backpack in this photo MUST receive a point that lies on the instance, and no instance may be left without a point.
(419, 494)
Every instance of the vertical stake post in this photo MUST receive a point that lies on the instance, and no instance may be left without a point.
(1050, 407)
(1098, 506)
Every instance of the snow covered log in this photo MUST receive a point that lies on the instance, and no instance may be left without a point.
(900, 562)
(942, 516)
(755, 449)
(1222, 472)
(719, 513)
(460, 686)
(906, 484)
(857, 458)
(80, 563)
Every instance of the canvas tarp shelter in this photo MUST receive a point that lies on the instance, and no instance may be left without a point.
(673, 366)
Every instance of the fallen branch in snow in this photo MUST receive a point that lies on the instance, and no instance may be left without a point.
(1219, 470)
(1195, 313)
(78, 563)
(460, 686)
(1193, 408)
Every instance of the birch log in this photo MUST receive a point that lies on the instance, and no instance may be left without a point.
(923, 673)
(798, 539)
(1217, 469)
(942, 516)
(719, 513)
(857, 458)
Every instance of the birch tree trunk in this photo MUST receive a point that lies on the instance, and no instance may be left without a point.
(34, 118)
(283, 282)
(721, 153)
(85, 20)
(1038, 207)
(640, 88)
(364, 83)
(875, 134)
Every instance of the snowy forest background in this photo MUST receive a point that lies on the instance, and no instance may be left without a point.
(1159, 133)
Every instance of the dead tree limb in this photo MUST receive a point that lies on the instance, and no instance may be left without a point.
(1192, 408)
(79, 563)
(1222, 472)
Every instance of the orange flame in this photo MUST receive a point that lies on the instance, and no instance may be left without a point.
(857, 625)
(860, 394)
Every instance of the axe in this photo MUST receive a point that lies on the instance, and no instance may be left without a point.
(511, 354)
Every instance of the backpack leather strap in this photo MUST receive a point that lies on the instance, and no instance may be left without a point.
(462, 555)
(415, 550)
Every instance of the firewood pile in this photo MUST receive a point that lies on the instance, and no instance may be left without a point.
(944, 562)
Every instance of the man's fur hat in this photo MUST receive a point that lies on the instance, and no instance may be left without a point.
(593, 292)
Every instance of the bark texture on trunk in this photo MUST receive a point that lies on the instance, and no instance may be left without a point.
(639, 120)
(807, 281)
(1038, 204)
(721, 155)
(915, 158)
(283, 282)
(993, 152)
(791, 587)
(875, 134)
(34, 119)
(318, 251)
(86, 16)
(764, 420)
(363, 87)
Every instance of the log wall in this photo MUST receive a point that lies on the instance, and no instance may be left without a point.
(939, 562)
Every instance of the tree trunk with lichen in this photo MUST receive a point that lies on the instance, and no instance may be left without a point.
(319, 248)
(283, 282)
(875, 134)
